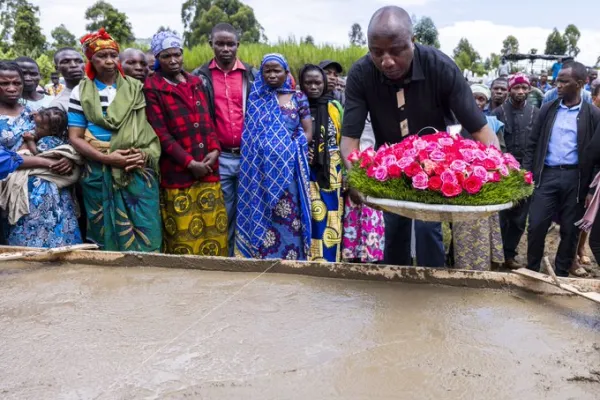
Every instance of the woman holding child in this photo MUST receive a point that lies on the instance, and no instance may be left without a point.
(38, 209)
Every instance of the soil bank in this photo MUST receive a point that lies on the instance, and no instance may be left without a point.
(82, 332)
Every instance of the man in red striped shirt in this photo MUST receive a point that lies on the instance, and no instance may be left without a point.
(227, 82)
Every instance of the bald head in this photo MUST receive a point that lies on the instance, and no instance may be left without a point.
(134, 64)
(390, 21)
(390, 42)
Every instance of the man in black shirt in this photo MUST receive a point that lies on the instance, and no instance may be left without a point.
(406, 88)
(518, 117)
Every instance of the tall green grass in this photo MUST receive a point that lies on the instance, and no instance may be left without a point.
(296, 54)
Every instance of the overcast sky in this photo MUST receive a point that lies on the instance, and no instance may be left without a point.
(485, 23)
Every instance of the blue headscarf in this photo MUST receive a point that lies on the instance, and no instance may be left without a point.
(162, 41)
(271, 158)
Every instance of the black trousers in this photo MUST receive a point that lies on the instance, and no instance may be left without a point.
(557, 194)
(512, 224)
(429, 242)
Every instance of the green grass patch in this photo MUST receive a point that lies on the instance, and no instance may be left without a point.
(510, 188)
(296, 54)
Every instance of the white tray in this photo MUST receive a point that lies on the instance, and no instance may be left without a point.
(436, 212)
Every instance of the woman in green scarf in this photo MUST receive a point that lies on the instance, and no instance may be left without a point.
(108, 126)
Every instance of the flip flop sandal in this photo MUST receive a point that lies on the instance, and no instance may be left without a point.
(579, 272)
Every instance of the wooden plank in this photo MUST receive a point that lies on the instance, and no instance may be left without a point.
(46, 252)
(593, 296)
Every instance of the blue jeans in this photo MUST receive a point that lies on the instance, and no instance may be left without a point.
(428, 236)
(229, 169)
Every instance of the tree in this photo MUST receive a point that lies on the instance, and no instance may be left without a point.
(571, 38)
(464, 46)
(200, 16)
(495, 59)
(309, 40)
(556, 44)
(533, 51)
(8, 16)
(356, 35)
(510, 45)
(28, 37)
(46, 66)
(426, 32)
(62, 37)
(104, 15)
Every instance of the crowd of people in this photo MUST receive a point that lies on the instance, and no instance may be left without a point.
(133, 153)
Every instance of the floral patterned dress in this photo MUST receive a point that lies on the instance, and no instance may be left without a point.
(51, 221)
(284, 239)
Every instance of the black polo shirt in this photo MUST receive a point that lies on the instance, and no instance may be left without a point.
(435, 94)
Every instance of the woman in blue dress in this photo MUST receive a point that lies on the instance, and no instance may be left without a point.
(51, 221)
(274, 212)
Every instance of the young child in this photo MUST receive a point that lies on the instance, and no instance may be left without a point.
(50, 123)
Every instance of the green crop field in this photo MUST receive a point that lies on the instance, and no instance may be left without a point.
(296, 55)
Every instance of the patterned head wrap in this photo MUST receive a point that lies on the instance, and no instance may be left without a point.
(93, 43)
(482, 89)
(518, 79)
(165, 40)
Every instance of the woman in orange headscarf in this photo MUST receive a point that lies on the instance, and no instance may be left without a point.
(108, 126)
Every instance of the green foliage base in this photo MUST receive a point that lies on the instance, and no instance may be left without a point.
(510, 188)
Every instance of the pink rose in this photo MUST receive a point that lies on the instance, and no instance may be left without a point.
(472, 184)
(410, 153)
(420, 181)
(437, 156)
(493, 152)
(494, 176)
(381, 174)
(405, 162)
(448, 176)
(504, 170)
(389, 160)
(446, 141)
(354, 156)
(450, 189)
(480, 172)
(511, 161)
(458, 166)
(468, 154)
(420, 144)
(431, 146)
(528, 177)
(479, 154)
(468, 144)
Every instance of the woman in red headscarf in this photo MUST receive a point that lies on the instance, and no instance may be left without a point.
(108, 126)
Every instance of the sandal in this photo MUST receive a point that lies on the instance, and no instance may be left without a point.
(579, 272)
(585, 260)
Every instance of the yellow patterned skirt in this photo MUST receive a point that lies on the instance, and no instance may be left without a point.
(327, 209)
(478, 243)
(195, 220)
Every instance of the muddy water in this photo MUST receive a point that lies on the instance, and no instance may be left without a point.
(81, 332)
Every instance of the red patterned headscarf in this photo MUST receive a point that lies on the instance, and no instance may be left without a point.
(518, 79)
(93, 43)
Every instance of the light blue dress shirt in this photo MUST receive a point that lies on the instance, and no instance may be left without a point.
(562, 148)
(552, 95)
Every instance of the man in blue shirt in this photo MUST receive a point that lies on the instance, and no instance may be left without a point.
(543, 84)
(592, 76)
(554, 154)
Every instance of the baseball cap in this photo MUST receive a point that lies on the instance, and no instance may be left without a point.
(330, 63)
